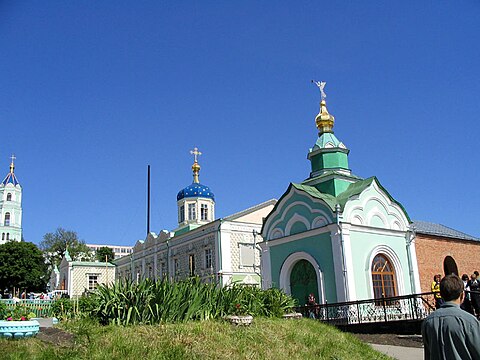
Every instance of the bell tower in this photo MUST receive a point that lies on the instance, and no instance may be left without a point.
(10, 207)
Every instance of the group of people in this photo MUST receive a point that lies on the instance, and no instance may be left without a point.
(451, 332)
(471, 288)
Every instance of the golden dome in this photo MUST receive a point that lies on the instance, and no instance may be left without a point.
(324, 120)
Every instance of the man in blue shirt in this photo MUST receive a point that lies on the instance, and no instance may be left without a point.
(450, 333)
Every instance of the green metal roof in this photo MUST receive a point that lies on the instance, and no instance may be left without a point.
(353, 189)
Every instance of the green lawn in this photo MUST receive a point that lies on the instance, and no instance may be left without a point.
(264, 339)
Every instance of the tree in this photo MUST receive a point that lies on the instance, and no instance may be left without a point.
(23, 266)
(55, 244)
(105, 252)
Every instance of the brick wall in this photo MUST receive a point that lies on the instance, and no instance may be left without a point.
(432, 251)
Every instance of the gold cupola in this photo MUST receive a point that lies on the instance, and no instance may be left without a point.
(12, 165)
(324, 120)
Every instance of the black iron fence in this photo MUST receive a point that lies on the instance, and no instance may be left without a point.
(385, 309)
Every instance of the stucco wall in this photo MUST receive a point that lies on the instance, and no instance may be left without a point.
(432, 250)
(319, 247)
(363, 244)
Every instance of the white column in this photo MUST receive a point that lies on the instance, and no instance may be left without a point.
(347, 248)
(337, 262)
(226, 265)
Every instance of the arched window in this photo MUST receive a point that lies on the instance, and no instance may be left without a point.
(8, 236)
(3, 236)
(9, 197)
(7, 220)
(383, 277)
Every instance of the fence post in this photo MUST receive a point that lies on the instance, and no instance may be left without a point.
(326, 309)
(358, 313)
(384, 307)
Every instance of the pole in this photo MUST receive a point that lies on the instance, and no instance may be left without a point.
(148, 200)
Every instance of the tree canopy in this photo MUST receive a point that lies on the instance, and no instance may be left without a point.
(22, 265)
(55, 244)
(105, 252)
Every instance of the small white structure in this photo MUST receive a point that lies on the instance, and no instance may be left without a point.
(76, 277)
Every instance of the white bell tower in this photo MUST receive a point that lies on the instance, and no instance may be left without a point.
(10, 207)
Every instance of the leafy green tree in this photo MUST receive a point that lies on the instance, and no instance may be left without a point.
(105, 252)
(23, 266)
(55, 244)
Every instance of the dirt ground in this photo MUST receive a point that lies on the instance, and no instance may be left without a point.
(55, 336)
(392, 339)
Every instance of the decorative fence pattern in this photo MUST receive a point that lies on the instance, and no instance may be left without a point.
(409, 307)
(41, 308)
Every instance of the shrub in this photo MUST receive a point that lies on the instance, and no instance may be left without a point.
(149, 302)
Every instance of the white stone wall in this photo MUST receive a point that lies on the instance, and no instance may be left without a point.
(80, 277)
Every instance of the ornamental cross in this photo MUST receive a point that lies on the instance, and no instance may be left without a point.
(321, 86)
(195, 153)
(13, 157)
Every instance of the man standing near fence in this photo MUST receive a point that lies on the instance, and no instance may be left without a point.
(450, 333)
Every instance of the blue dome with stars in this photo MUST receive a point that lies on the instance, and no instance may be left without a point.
(195, 190)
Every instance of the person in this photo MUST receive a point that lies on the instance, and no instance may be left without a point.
(311, 302)
(475, 293)
(466, 304)
(450, 333)
(436, 291)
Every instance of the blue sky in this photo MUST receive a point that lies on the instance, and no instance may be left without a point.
(92, 92)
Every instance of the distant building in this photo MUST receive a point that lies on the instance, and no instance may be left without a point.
(118, 250)
(10, 207)
(221, 250)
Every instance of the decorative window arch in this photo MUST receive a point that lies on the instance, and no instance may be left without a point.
(6, 221)
(9, 197)
(384, 278)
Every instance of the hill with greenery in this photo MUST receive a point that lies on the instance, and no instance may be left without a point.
(264, 339)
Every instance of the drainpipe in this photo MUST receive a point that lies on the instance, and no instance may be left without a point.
(409, 239)
(219, 251)
(342, 248)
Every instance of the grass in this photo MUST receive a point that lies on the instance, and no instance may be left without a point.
(264, 339)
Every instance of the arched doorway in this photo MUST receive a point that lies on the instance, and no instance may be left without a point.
(303, 281)
(450, 266)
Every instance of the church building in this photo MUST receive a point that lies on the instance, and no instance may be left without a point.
(223, 249)
(335, 234)
(10, 207)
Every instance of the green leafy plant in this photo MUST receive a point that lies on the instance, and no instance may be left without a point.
(149, 302)
(18, 313)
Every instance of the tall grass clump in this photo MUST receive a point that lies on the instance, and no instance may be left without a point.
(149, 302)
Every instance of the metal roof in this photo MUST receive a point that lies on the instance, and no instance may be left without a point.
(429, 228)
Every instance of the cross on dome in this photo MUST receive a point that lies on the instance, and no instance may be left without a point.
(12, 165)
(195, 154)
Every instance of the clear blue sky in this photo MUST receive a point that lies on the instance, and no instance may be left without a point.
(93, 91)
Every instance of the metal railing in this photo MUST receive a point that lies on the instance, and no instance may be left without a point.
(385, 309)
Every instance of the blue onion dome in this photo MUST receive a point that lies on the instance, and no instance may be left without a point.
(11, 178)
(196, 190)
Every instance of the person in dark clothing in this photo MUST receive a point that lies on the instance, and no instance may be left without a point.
(475, 294)
(450, 333)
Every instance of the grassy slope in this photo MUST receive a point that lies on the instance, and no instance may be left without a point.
(265, 339)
